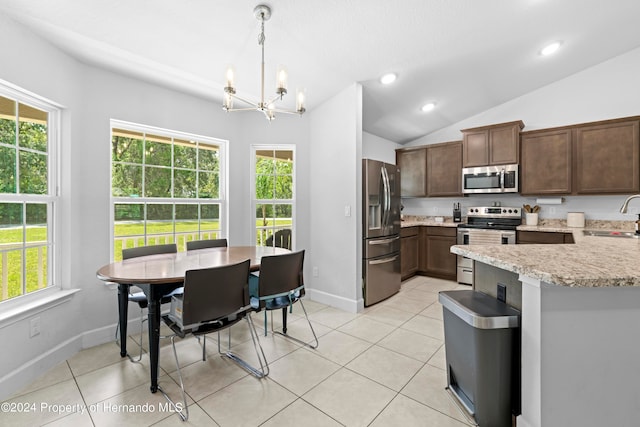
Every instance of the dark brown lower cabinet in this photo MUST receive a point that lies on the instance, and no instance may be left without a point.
(542, 237)
(409, 249)
(436, 259)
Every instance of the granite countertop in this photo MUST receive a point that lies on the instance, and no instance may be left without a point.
(592, 261)
(431, 222)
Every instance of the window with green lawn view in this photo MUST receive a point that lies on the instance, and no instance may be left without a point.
(274, 195)
(27, 195)
(166, 187)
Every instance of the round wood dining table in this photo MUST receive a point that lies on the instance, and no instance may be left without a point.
(157, 275)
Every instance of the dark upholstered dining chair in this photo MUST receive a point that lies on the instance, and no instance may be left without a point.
(280, 239)
(139, 297)
(280, 284)
(203, 244)
(214, 299)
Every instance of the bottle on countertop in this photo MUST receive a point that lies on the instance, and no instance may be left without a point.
(638, 225)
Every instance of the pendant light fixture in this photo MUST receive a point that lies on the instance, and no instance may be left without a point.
(267, 107)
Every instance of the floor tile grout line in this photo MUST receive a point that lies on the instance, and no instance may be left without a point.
(75, 381)
(431, 407)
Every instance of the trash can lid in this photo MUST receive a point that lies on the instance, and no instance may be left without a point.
(480, 310)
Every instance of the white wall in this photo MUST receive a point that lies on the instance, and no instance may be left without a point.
(377, 148)
(606, 91)
(91, 98)
(335, 167)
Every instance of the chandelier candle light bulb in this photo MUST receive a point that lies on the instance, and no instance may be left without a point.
(300, 95)
(230, 79)
(281, 84)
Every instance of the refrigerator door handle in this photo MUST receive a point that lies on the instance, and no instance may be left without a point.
(383, 261)
(386, 197)
(383, 241)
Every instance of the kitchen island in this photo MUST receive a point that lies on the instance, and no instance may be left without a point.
(580, 329)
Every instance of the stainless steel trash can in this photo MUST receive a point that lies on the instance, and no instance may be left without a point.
(481, 335)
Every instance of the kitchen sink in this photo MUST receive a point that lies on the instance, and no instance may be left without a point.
(611, 233)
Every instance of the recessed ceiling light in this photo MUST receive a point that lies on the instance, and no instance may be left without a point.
(428, 107)
(388, 78)
(550, 48)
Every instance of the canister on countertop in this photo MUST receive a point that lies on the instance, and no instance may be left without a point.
(575, 219)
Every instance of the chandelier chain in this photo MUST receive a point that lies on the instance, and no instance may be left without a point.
(261, 35)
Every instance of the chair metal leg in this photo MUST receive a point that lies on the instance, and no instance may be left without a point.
(183, 411)
(117, 337)
(284, 334)
(264, 365)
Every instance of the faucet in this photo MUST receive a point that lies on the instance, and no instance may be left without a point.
(623, 209)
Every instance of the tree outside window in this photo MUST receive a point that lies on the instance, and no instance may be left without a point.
(274, 196)
(165, 187)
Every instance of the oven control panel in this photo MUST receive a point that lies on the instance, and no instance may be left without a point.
(494, 212)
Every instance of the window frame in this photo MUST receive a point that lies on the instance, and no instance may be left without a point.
(255, 202)
(51, 199)
(222, 183)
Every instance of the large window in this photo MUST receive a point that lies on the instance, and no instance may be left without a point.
(28, 135)
(274, 195)
(166, 187)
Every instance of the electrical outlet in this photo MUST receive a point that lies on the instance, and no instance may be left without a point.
(502, 292)
(34, 327)
(315, 272)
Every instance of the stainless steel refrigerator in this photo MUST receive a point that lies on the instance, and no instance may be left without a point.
(380, 230)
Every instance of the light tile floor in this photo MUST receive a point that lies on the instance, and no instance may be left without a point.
(381, 367)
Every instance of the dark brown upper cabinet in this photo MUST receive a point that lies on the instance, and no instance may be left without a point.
(431, 170)
(444, 169)
(545, 162)
(413, 171)
(607, 157)
(492, 145)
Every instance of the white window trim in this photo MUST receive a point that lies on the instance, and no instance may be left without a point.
(223, 179)
(255, 202)
(20, 307)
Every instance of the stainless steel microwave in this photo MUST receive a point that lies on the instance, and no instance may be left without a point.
(490, 179)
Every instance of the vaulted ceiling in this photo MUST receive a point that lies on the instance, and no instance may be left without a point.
(466, 56)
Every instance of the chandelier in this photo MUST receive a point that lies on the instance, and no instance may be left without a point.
(268, 108)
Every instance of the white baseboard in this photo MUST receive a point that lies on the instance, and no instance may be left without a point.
(24, 375)
(34, 368)
(346, 304)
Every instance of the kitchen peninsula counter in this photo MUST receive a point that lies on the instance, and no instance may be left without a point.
(580, 328)
(591, 262)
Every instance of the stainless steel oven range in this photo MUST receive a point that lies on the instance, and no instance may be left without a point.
(486, 226)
